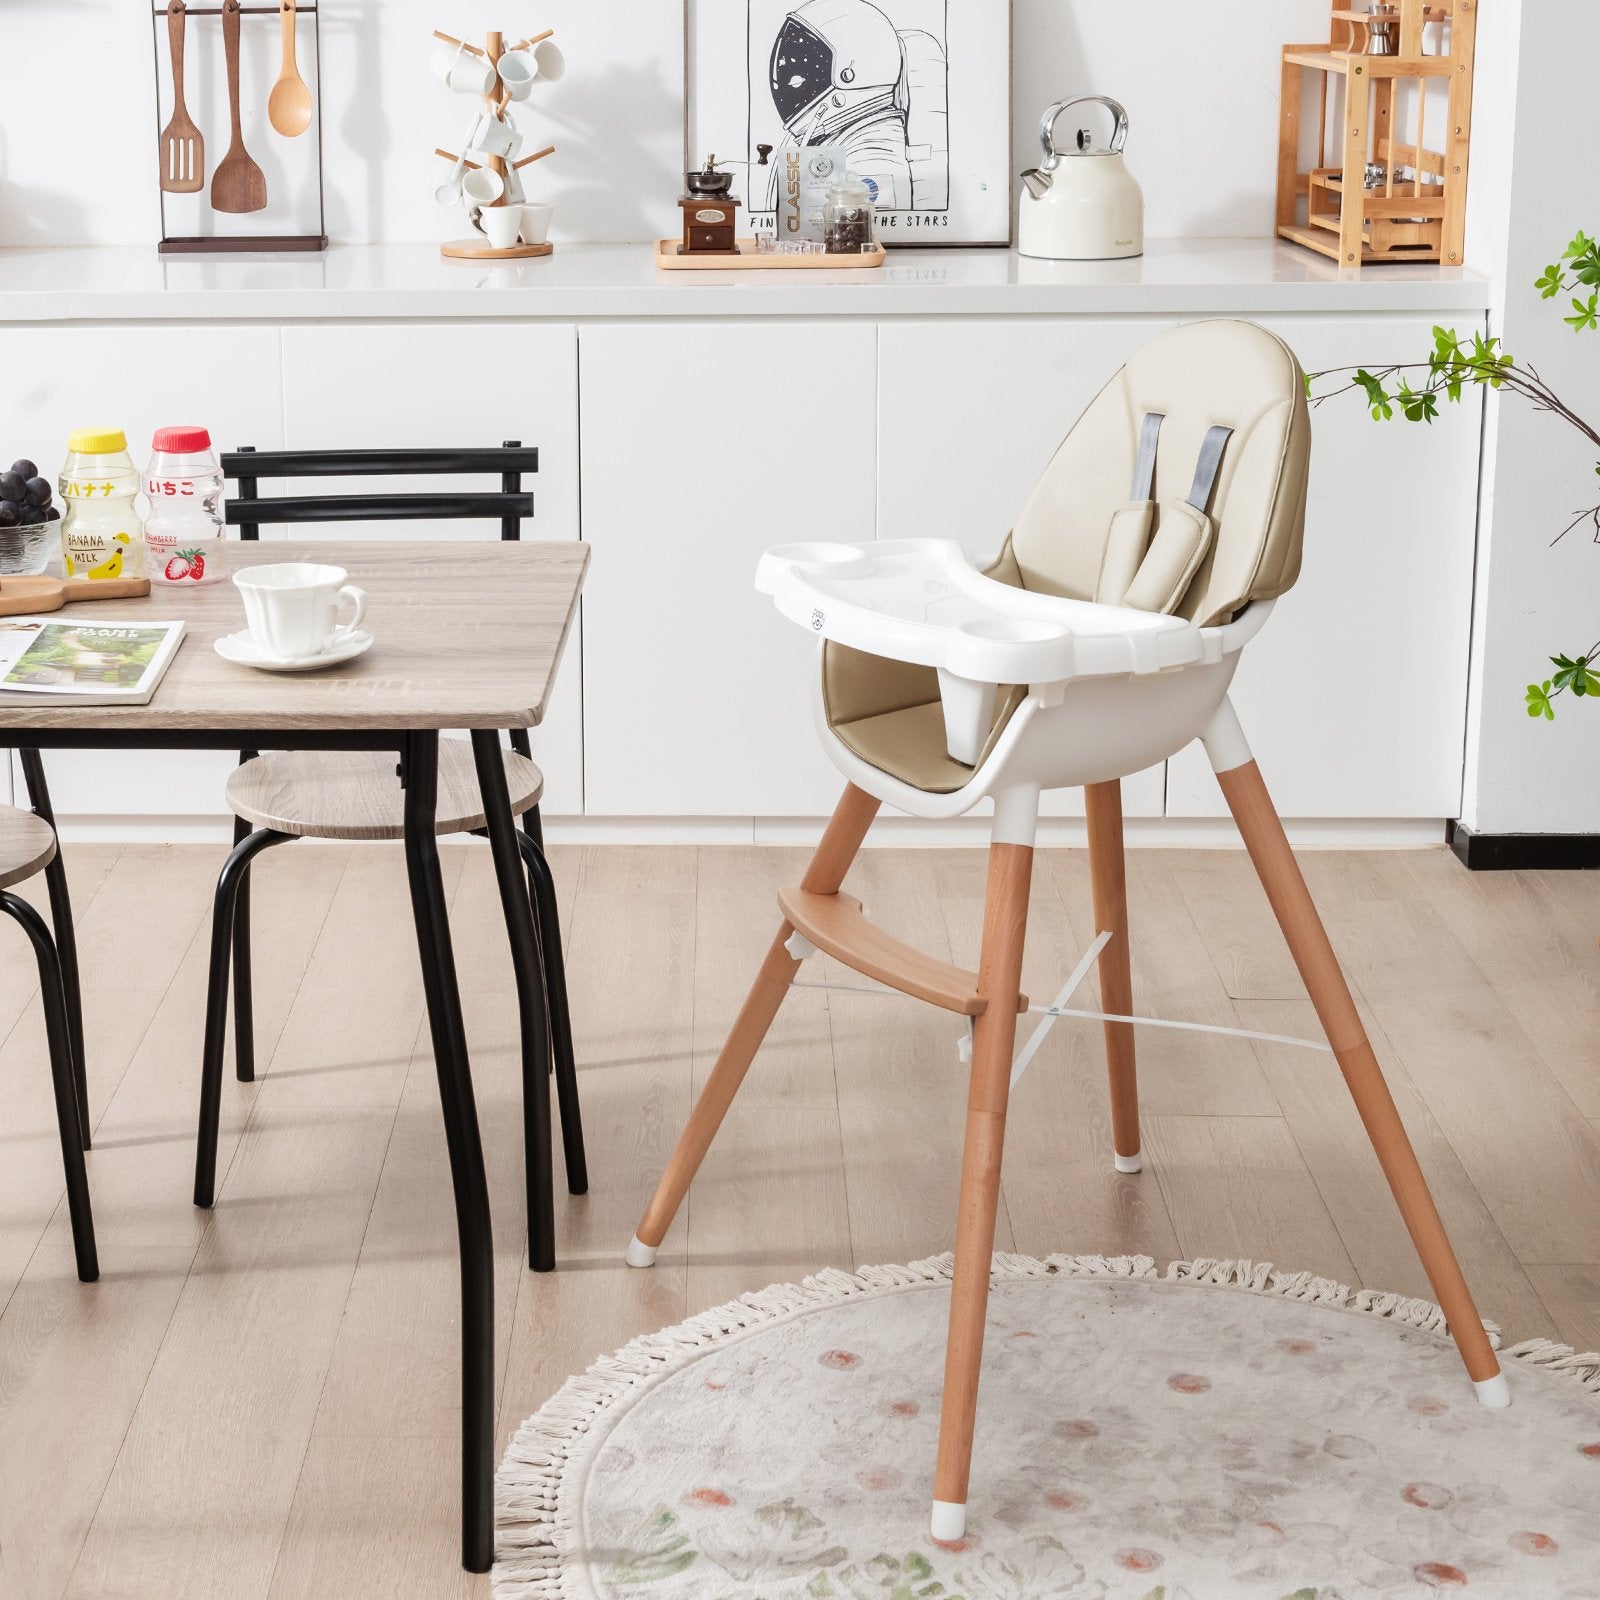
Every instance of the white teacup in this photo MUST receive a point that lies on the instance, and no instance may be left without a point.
(492, 137)
(535, 221)
(552, 64)
(293, 607)
(462, 69)
(501, 225)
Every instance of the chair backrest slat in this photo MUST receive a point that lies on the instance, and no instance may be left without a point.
(249, 509)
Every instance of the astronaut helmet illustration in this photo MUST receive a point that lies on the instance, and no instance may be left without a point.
(830, 61)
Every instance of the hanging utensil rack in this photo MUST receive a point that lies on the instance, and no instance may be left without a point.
(243, 243)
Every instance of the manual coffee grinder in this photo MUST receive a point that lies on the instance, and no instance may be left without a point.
(710, 209)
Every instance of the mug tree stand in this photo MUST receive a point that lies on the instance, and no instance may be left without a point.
(479, 248)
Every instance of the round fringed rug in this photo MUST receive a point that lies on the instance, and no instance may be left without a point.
(1222, 1431)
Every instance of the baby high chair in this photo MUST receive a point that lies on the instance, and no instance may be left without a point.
(1102, 640)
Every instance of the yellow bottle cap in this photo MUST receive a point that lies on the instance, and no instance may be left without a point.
(97, 441)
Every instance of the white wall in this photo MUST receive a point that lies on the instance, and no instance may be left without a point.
(1526, 775)
(1201, 84)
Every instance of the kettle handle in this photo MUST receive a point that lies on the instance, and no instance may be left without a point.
(1047, 125)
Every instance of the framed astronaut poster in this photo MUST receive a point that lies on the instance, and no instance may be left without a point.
(913, 95)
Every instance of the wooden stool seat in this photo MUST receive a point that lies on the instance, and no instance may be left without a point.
(27, 845)
(356, 794)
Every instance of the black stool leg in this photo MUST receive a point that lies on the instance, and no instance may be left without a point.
(55, 877)
(244, 1024)
(58, 1033)
(224, 908)
(555, 985)
(531, 1005)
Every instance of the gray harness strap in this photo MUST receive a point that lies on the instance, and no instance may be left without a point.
(1207, 467)
(1144, 469)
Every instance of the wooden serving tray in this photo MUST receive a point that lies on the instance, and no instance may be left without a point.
(669, 260)
(19, 596)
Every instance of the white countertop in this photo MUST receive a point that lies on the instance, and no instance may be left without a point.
(1205, 276)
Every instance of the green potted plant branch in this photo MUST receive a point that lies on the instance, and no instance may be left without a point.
(1412, 390)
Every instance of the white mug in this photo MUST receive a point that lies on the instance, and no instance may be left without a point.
(482, 186)
(501, 225)
(492, 137)
(536, 221)
(518, 69)
(293, 607)
(552, 64)
(463, 71)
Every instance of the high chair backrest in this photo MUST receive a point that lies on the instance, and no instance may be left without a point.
(1182, 488)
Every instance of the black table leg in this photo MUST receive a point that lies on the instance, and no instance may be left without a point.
(515, 904)
(421, 770)
(55, 877)
(244, 1023)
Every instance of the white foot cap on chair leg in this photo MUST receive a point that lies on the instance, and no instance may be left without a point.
(1494, 1393)
(641, 1254)
(1133, 1163)
(949, 1521)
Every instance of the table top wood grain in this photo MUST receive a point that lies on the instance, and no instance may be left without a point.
(465, 635)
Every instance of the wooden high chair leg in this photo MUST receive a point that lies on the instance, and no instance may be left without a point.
(1308, 943)
(837, 848)
(1005, 918)
(1109, 878)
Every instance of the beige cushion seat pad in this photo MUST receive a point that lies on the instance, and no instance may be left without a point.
(356, 794)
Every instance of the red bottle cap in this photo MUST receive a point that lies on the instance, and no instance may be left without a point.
(181, 441)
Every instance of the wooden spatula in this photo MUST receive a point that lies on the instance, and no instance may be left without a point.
(289, 104)
(183, 146)
(238, 184)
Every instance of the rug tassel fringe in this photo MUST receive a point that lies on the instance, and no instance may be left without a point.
(533, 1524)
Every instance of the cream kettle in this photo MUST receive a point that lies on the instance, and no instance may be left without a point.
(1081, 204)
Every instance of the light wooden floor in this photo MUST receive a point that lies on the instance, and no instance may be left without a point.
(262, 1402)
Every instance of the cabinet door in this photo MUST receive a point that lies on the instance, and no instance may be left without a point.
(1354, 694)
(969, 413)
(702, 445)
(412, 385)
(138, 377)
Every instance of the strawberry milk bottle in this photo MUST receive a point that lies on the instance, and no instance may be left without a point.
(183, 490)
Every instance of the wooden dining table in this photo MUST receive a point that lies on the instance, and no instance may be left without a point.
(465, 636)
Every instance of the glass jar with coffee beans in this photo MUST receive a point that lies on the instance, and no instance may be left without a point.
(847, 217)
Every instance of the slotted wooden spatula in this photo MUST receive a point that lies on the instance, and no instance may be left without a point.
(183, 146)
(238, 184)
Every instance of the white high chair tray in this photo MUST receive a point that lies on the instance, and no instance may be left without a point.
(922, 601)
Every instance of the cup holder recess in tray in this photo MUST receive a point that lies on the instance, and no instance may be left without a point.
(825, 560)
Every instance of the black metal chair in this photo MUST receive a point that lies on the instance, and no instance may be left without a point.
(28, 843)
(282, 795)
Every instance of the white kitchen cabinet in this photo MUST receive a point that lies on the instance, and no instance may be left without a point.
(417, 385)
(137, 377)
(702, 445)
(1354, 695)
(969, 413)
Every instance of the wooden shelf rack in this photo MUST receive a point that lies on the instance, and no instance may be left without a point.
(1376, 191)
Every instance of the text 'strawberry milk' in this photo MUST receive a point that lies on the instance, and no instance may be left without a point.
(183, 494)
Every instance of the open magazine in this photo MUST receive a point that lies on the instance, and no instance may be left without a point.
(82, 663)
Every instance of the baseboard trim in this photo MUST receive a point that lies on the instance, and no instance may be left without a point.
(891, 831)
(1525, 852)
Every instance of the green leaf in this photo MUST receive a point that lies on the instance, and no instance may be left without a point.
(1588, 314)
(1539, 701)
(1550, 282)
(1581, 245)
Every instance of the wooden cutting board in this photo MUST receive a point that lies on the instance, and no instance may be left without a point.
(23, 595)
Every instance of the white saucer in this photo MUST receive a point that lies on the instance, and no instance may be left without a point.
(241, 649)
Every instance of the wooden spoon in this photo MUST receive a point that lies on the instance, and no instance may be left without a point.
(289, 104)
(238, 184)
(183, 146)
